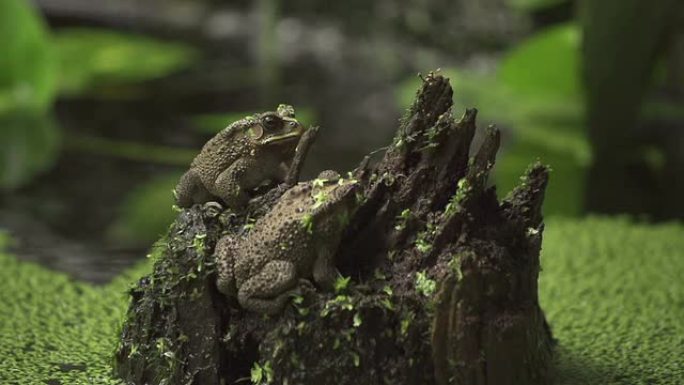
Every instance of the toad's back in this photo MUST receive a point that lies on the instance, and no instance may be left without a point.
(220, 152)
(279, 235)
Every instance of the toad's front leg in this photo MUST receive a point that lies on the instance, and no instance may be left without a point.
(232, 183)
(191, 190)
(268, 291)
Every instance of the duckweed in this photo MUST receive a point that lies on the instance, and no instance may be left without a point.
(611, 290)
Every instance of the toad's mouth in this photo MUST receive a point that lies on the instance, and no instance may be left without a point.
(283, 138)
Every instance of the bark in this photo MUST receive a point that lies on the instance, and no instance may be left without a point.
(443, 279)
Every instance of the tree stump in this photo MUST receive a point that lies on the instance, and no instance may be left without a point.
(438, 279)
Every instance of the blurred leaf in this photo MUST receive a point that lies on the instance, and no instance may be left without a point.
(213, 123)
(29, 143)
(534, 5)
(546, 65)
(131, 150)
(27, 64)
(146, 212)
(94, 57)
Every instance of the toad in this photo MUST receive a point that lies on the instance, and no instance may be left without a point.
(242, 156)
(296, 240)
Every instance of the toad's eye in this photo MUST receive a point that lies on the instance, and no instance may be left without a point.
(271, 122)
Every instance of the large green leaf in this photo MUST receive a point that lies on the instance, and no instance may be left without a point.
(27, 63)
(91, 58)
(29, 143)
(546, 65)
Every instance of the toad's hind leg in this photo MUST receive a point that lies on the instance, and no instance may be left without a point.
(190, 190)
(268, 291)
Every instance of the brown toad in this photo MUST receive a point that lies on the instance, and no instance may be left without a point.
(240, 158)
(297, 239)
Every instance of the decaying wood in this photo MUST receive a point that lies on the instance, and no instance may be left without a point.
(302, 150)
(443, 279)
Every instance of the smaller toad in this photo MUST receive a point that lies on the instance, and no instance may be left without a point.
(240, 158)
(297, 239)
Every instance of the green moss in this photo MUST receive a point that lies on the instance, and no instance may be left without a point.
(425, 285)
(424, 238)
(261, 374)
(402, 219)
(307, 223)
(459, 196)
(611, 289)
